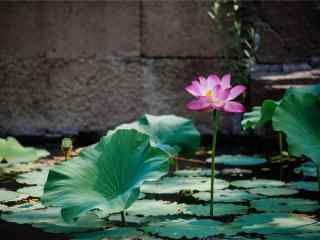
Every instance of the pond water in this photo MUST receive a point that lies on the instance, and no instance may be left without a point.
(255, 198)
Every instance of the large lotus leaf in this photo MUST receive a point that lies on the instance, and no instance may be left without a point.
(219, 209)
(272, 223)
(226, 195)
(50, 220)
(177, 184)
(308, 169)
(307, 186)
(273, 191)
(188, 228)
(107, 176)
(33, 178)
(10, 196)
(171, 133)
(298, 116)
(116, 233)
(239, 160)
(256, 183)
(13, 152)
(285, 205)
(259, 115)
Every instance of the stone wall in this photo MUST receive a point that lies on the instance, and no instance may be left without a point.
(77, 66)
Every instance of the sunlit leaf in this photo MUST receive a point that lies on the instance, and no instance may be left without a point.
(107, 176)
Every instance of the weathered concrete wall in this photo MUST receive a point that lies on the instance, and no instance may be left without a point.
(88, 66)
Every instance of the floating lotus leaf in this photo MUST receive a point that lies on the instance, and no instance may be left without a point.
(50, 220)
(20, 168)
(116, 218)
(285, 205)
(116, 233)
(308, 169)
(153, 208)
(107, 176)
(307, 186)
(201, 172)
(271, 223)
(273, 191)
(33, 191)
(298, 116)
(236, 196)
(259, 115)
(23, 207)
(177, 184)
(304, 236)
(220, 209)
(13, 152)
(239, 160)
(256, 183)
(171, 133)
(33, 178)
(10, 196)
(188, 228)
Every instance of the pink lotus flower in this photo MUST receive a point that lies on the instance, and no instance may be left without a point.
(213, 93)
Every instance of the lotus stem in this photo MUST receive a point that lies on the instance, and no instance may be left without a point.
(280, 142)
(318, 176)
(213, 154)
(123, 218)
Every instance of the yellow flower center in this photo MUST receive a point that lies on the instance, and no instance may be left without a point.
(209, 93)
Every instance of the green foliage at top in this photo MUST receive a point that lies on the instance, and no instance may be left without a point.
(106, 176)
(298, 116)
(260, 115)
(13, 152)
(171, 133)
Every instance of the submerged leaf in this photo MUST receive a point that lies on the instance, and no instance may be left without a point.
(107, 176)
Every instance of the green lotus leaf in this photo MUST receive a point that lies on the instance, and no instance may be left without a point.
(277, 223)
(304, 236)
(226, 195)
(307, 186)
(220, 209)
(177, 184)
(298, 116)
(256, 183)
(107, 176)
(153, 208)
(194, 172)
(116, 233)
(50, 220)
(33, 178)
(239, 160)
(33, 191)
(117, 219)
(23, 207)
(308, 169)
(10, 196)
(171, 133)
(13, 152)
(285, 205)
(273, 191)
(188, 228)
(259, 115)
